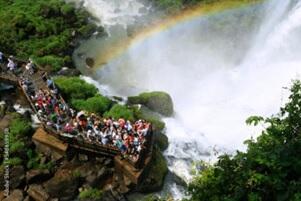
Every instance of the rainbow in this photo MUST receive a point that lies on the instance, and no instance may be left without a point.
(188, 14)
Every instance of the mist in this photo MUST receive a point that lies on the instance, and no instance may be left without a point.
(219, 69)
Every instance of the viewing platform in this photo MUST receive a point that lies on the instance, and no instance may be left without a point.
(61, 143)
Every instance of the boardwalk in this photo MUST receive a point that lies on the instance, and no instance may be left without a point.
(76, 141)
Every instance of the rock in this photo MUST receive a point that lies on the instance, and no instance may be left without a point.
(90, 62)
(157, 101)
(63, 185)
(161, 140)
(100, 160)
(15, 195)
(37, 193)
(2, 109)
(108, 162)
(17, 176)
(27, 198)
(38, 175)
(2, 196)
(83, 157)
(158, 170)
(65, 71)
(94, 174)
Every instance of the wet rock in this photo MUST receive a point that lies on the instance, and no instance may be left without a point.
(94, 174)
(2, 109)
(17, 176)
(100, 160)
(108, 162)
(90, 62)
(156, 101)
(158, 170)
(161, 140)
(16, 195)
(83, 157)
(33, 176)
(37, 193)
(63, 185)
(65, 71)
(27, 198)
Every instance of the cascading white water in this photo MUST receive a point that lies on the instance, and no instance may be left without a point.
(219, 70)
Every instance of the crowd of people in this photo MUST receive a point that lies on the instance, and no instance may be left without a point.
(130, 138)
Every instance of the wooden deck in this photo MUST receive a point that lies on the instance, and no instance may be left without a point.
(59, 142)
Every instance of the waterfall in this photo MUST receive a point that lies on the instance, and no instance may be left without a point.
(219, 69)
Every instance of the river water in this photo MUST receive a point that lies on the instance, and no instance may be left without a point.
(219, 69)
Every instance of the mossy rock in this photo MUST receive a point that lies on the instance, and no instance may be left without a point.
(157, 172)
(144, 113)
(161, 140)
(120, 111)
(157, 101)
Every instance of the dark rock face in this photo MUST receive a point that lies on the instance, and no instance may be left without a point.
(63, 185)
(17, 176)
(158, 101)
(37, 193)
(90, 62)
(65, 71)
(16, 195)
(94, 174)
(158, 170)
(33, 176)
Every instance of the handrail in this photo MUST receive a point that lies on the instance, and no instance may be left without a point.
(86, 144)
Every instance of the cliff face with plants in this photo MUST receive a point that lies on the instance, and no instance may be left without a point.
(44, 30)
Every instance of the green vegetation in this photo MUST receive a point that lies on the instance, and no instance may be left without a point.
(84, 96)
(120, 111)
(157, 101)
(75, 88)
(43, 30)
(20, 132)
(270, 169)
(90, 194)
(98, 104)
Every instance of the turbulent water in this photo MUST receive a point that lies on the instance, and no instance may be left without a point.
(219, 69)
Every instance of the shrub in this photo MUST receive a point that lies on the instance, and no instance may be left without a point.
(75, 88)
(90, 194)
(98, 104)
(120, 111)
(13, 161)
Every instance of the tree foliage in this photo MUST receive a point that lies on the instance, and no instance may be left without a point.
(43, 30)
(270, 169)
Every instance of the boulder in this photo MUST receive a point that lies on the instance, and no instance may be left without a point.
(37, 193)
(37, 175)
(17, 176)
(63, 185)
(90, 62)
(158, 170)
(161, 140)
(15, 195)
(94, 174)
(157, 101)
(65, 71)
